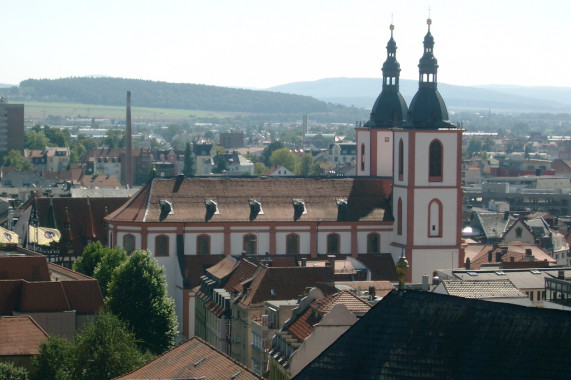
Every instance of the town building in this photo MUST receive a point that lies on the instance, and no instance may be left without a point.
(21, 339)
(11, 126)
(48, 160)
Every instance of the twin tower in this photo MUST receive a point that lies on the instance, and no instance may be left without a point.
(420, 149)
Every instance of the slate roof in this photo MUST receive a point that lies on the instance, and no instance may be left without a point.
(194, 359)
(21, 336)
(482, 289)
(410, 335)
(366, 198)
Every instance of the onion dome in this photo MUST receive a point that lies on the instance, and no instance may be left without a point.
(427, 108)
(390, 107)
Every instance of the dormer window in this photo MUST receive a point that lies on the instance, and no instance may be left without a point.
(298, 208)
(166, 209)
(255, 209)
(342, 206)
(211, 209)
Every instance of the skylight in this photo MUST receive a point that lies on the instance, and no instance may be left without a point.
(473, 274)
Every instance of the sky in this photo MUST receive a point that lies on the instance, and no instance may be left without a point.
(264, 43)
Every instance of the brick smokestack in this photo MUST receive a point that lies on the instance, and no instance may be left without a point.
(128, 147)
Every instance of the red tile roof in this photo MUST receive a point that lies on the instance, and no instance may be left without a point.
(366, 199)
(244, 271)
(382, 288)
(21, 335)
(478, 254)
(223, 268)
(42, 297)
(83, 296)
(30, 268)
(194, 359)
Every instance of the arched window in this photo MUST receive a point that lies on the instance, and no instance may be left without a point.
(435, 218)
(401, 159)
(129, 243)
(373, 243)
(333, 243)
(362, 157)
(162, 245)
(399, 217)
(203, 245)
(435, 161)
(292, 244)
(250, 245)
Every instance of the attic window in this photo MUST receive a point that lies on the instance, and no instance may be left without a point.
(255, 209)
(199, 361)
(500, 273)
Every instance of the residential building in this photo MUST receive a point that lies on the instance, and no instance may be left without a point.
(342, 153)
(11, 126)
(231, 140)
(203, 158)
(21, 339)
(48, 160)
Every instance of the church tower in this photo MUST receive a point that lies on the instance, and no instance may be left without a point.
(427, 193)
(375, 138)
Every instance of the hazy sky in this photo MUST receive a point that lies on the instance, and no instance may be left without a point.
(263, 43)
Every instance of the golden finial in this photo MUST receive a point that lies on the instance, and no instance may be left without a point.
(401, 269)
(428, 20)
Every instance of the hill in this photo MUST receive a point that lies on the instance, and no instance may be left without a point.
(362, 92)
(112, 92)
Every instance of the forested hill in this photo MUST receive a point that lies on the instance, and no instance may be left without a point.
(112, 91)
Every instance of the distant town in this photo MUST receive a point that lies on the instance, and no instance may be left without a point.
(420, 242)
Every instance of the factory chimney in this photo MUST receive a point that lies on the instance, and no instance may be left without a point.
(128, 147)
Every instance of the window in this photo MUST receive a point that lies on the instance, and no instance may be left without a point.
(435, 218)
(333, 243)
(373, 243)
(292, 244)
(401, 160)
(129, 243)
(203, 245)
(362, 157)
(162, 245)
(518, 232)
(250, 245)
(399, 217)
(435, 161)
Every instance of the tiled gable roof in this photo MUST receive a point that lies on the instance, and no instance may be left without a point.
(223, 268)
(283, 283)
(482, 289)
(30, 268)
(243, 271)
(366, 199)
(21, 335)
(479, 254)
(195, 267)
(302, 327)
(194, 359)
(419, 334)
(83, 296)
(382, 288)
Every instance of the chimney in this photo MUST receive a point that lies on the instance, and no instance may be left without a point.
(128, 147)
(303, 262)
(425, 283)
(467, 263)
(506, 215)
(561, 275)
(372, 292)
(331, 262)
(528, 252)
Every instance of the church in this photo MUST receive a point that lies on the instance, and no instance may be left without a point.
(406, 199)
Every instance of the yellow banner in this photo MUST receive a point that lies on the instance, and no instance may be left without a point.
(8, 237)
(43, 235)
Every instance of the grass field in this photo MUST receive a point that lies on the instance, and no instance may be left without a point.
(40, 110)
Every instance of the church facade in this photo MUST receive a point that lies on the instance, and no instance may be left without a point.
(404, 200)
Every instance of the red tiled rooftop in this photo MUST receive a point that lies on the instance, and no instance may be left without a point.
(194, 359)
(21, 335)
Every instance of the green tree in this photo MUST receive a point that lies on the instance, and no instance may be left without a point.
(305, 165)
(111, 259)
(8, 371)
(105, 349)
(283, 157)
(115, 138)
(55, 360)
(17, 160)
(315, 170)
(260, 168)
(35, 140)
(475, 145)
(89, 259)
(188, 161)
(138, 295)
(267, 152)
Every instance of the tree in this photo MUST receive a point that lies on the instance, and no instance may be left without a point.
(475, 145)
(267, 152)
(111, 259)
(115, 138)
(188, 161)
(55, 360)
(89, 259)
(105, 349)
(35, 140)
(260, 168)
(8, 371)
(283, 157)
(305, 165)
(15, 159)
(138, 295)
